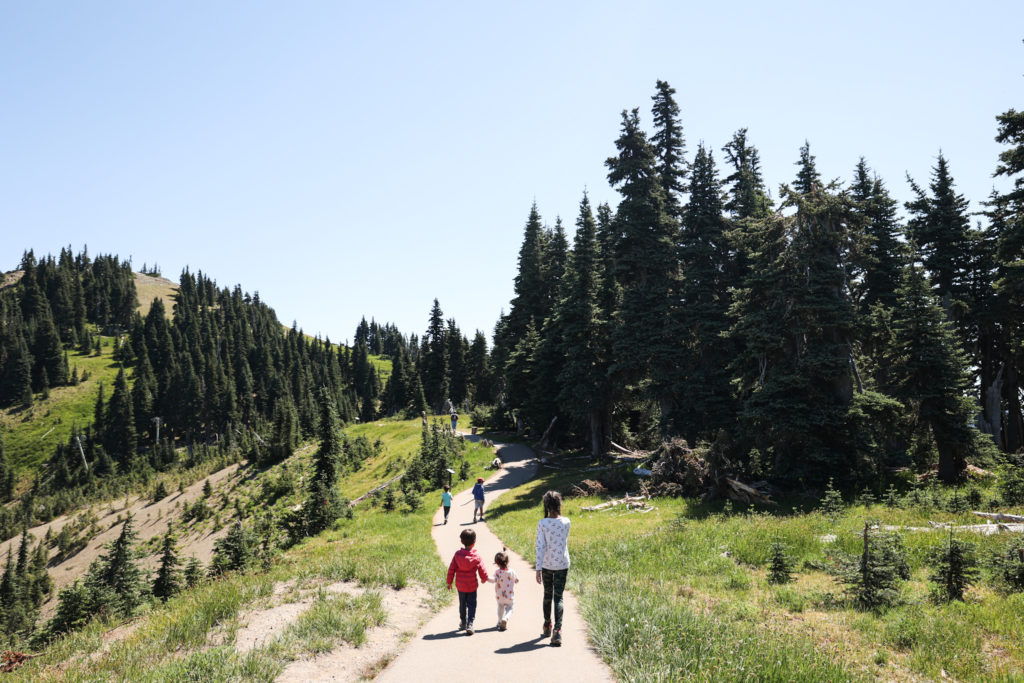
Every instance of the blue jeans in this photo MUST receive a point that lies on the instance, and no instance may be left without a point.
(467, 607)
(554, 584)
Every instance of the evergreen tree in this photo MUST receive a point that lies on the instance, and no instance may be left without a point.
(529, 305)
(119, 436)
(236, 551)
(583, 376)
(193, 572)
(120, 574)
(929, 375)
(701, 382)
(955, 569)
(645, 263)
(434, 365)
(323, 502)
(478, 369)
(748, 197)
(939, 225)
(885, 254)
(669, 149)
(168, 580)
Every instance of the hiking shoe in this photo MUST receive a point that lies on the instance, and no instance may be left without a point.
(503, 624)
(556, 638)
(546, 630)
(469, 629)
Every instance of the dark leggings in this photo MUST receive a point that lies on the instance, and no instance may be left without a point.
(467, 606)
(554, 584)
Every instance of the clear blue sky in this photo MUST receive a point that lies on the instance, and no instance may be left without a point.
(348, 159)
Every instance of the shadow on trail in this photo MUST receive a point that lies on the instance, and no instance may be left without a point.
(444, 636)
(530, 645)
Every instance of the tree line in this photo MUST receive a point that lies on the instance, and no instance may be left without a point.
(811, 335)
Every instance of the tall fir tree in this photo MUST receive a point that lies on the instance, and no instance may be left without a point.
(583, 376)
(929, 375)
(323, 501)
(645, 261)
(702, 384)
(669, 146)
(119, 436)
(434, 364)
(747, 196)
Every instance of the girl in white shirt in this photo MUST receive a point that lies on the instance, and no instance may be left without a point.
(553, 561)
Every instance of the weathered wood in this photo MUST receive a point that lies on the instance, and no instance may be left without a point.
(621, 449)
(372, 491)
(999, 516)
(547, 432)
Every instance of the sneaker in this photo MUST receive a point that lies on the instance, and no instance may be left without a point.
(556, 638)
(469, 629)
(503, 624)
(462, 626)
(547, 630)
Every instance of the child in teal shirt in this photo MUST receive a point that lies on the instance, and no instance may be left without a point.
(446, 502)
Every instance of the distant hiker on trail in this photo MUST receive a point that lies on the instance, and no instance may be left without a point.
(423, 416)
(455, 420)
(505, 581)
(553, 561)
(478, 499)
(446, 501)
(465, 566)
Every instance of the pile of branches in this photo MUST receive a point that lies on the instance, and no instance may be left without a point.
(678, 470)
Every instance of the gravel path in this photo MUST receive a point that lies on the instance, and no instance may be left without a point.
(440, 653)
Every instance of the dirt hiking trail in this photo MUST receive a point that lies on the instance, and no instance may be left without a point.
(441, 653)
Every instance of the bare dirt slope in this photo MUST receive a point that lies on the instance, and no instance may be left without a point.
(151, 519)
(440, 653)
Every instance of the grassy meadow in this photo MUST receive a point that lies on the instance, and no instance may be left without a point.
(681, 593)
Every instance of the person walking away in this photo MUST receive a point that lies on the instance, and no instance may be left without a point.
(464, 568)
(446, 501)
(478, 499)
(505, 581)
(553, 562)
(455, 420)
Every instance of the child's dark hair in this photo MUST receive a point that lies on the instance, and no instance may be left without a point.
(552, 504)
(468, 537)
(447, 487)
(501, 559)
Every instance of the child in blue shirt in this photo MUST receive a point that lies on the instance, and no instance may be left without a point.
(478, 499)
(446, 502)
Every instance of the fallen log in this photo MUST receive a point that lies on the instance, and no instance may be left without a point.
(999, 516)
(621, 449)
(984, 529)
(627, 500)
(373, 491)
(742, 493)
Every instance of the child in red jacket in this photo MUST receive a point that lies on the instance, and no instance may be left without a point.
(464, 569)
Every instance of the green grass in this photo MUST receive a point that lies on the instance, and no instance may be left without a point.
(401, 439)
(688, 582)
(32, 434)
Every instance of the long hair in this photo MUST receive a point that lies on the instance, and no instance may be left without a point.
(552, 504)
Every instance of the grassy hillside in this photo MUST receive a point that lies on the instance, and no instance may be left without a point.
(148, 288)
(681, 593)
(193, 634)
(30, 435)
